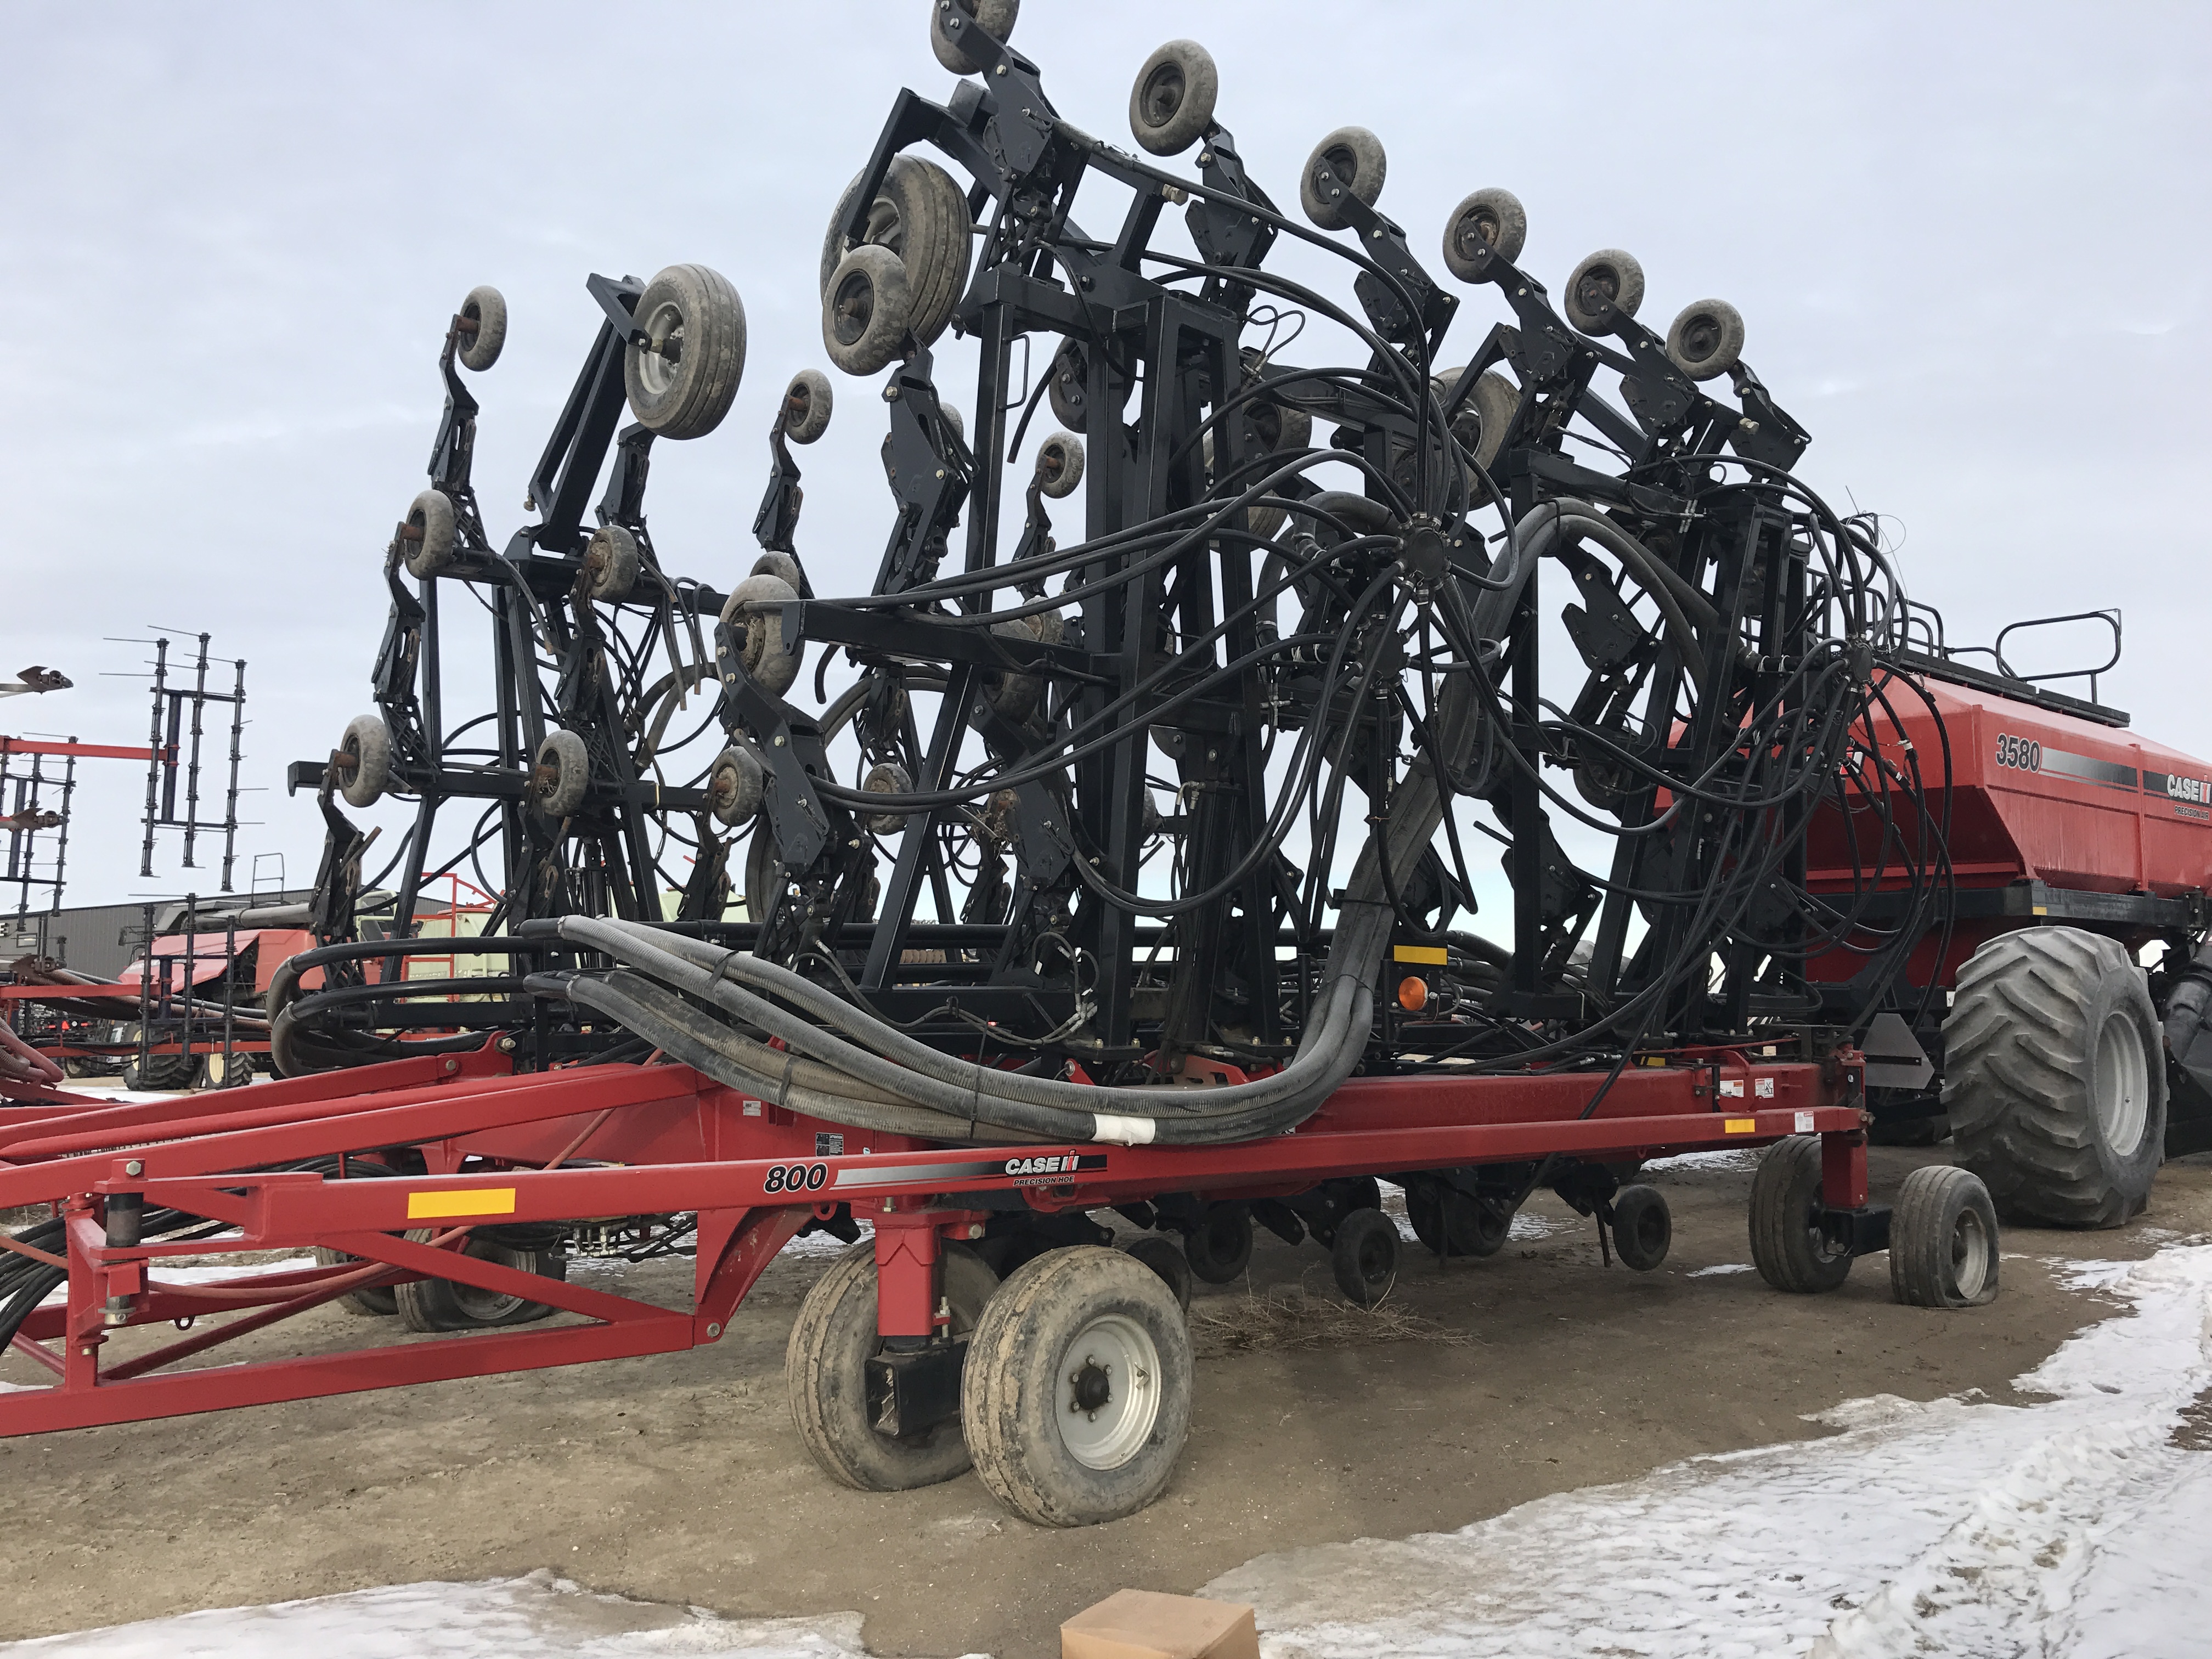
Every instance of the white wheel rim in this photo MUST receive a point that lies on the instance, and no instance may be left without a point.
(1114, 1355)
(663, 322)
(1970, 1253)
(2122, 1083)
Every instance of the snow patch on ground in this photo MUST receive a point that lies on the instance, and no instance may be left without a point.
(1720, 1159)
(539, 1615)
(1527, 1227)
(2076, 1525)
(1724, 1267)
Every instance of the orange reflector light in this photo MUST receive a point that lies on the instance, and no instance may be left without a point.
(1413, 994)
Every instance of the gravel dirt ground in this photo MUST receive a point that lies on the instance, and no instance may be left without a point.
(679, 1478)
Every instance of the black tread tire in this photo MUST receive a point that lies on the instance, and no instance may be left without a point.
(564, 751)
(487, 305)
(1354, 148)
(1614, 283)
(1171, 103)
(368, 740)
(1010, 1392)
(378, 1302)
(439, 1304)
(1706, 339)
(1452, 1224)
(1364, 1256)
(825, 1375)
(1785, 1238)
(1490, 215)
(213, 1072)
(1220, 1247)
(161, 1074)
(1642, 1227)
(1161, 1256)
(688, 397)
(432, 514)
(994, 17)
(1943, 1244)
(2019, 1067)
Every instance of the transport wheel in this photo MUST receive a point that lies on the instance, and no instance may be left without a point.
(825, 1369)
(1706, 340)
(431, 515)
(1786, 1245)
(1161, 1255)
(445, 1304)
(561, 775)
(734, 786)
(1220, 1247)
(1449, 1223)
(486, 306)
(1365, 1256)
(611, 564)
(379, 1301)
(864, 315)
(1943, 1241)
(1641, 1227)
(1059, 466)
(806, 404)
(771, 663)
(78, 1067)
(217, 1071)
(1607, 285)
(682, 380)
(921, 216)
(160, 1072)
(1493, 219)
(368, 740)
(2054, 1078)
(1076, 1398)
(1172, 103)
(1353, 159)
(994, 17)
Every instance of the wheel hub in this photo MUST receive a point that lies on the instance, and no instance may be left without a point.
(1093, 1386)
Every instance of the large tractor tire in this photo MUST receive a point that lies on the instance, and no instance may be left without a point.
(2054, 1078)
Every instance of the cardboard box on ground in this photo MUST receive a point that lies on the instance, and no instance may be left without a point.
(1140, 1624)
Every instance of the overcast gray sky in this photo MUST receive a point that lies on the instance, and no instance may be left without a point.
(1971, 242)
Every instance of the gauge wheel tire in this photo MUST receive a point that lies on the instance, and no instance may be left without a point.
(1354, 160)
(430, 516)
(1171, 104)
(486, 306)
(1076, 1398)
(368, 740)
(1642, 1227)
(1606, 286)
(1486, 222)
(1706, 339)
(1451, 1222)
(994, 17)
(1220, 1247)
(825, 1369)
(612, 562)
(696, 307)
(1786, 1243)
(1364, 1256)
(561, 775)
(1943, 1240)
(446, 1304)
(807, 402)
(2054, 1077)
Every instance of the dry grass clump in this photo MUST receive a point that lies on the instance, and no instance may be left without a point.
(1296, 1318)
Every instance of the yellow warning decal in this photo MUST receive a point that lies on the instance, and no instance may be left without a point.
(1741, 1126)
(472, 1200)
(1430, 953)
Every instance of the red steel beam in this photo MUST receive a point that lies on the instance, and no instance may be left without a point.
(82, 750)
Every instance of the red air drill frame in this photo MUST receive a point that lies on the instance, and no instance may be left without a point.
(663, 1139)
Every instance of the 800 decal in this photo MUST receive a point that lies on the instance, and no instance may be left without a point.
(2022, 754)
(796, 1178)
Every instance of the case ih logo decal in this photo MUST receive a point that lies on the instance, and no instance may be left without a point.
(2026, 755)
(1031, 1169)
